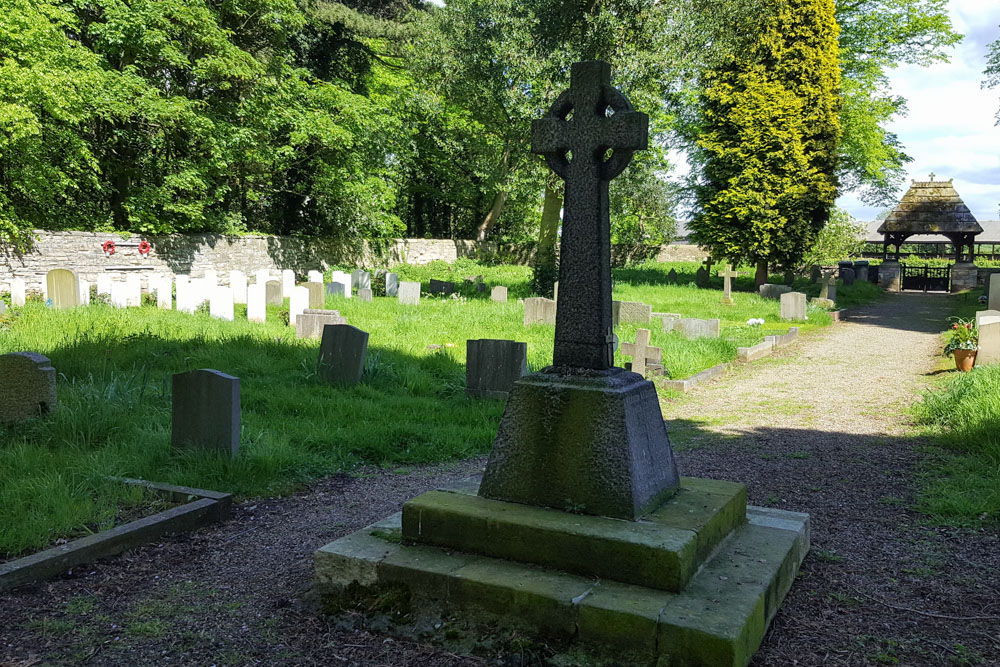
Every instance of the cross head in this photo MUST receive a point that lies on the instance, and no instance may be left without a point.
(641, 352)
(587, 138)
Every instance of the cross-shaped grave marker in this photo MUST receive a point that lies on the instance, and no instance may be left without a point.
(588, 138)
(828, 287)
(641, 352)
(727, 284)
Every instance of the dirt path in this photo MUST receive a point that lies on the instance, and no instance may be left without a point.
(818, 429)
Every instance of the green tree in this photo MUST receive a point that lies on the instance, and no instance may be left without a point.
(841, 237)
(993, 69)
(769, 138)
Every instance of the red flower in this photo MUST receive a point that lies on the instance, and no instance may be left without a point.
(144, 248)
(968, 326)
(954, 326)
(108, 247)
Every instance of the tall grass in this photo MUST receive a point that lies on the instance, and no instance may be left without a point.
(115, 366)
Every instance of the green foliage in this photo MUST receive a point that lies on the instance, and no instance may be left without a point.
(769, 136)
(841, 237)
(992, 71)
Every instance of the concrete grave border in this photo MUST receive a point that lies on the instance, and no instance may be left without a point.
(208, 507)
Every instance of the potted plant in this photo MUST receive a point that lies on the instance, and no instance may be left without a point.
(963, 341)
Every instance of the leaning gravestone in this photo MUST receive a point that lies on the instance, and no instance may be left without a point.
(206, 411)
(311, 322)
(342, 353)
(539, 310)
(492, 367)
(847, 275)
(408, 293)
(630, 312)
(272, 294)
(581, 455)
(499, 294)
(317, 298)
(773, 291)
(392, 284)
(793, 306)
(27, 386)
(63, 289)
(441, 287)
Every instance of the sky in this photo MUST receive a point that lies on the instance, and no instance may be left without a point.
(950, 128)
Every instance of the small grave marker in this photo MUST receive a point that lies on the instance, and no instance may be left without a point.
(499, 294)
(692, 327)
(441, 287)
(793, 306)
(392, 284)
(641, 352)
(539, 310)
(492, 366)
(27, 386)
(630, 312)
(317, 296)
(311, 322)
(63, 288)
(773, 291)
(828, 287)
(272, 294)
(342, 353)
(257, 303)
(365, 294)
(409, 293)
(206, 411)
(727, 284)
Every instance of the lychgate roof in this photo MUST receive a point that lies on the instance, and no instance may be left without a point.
(931, 207)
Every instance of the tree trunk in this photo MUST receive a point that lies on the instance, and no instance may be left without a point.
(761, 276)
(496, 208)
(546, 270)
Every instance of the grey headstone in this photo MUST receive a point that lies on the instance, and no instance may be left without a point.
(27, 386)
(993, 295)
(989, 342)
(981, 314)
(539, 310)
(317, 296)
(772, 291)
(693, 327)
(365, 294)
(847, 275)
(361, 279)
(441, 287)
(499, 294)
(342, 353)
(63, 288)
(310, 323)
(701, 277)
(815, 273)
(492, 366)
(392, 284)
(273, 293)
(793, 306)
(206, 411)
(672, 277)
(335, 289)
(630, 312)
(789, 278)
(861, 270)
(408, 293)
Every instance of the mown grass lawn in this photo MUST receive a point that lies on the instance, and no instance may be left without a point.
(115, 367)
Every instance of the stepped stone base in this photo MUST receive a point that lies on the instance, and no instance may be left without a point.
(712, 572)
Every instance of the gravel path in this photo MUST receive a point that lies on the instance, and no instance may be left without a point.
(818, 428)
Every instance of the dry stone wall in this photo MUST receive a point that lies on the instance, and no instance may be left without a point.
(194, 254)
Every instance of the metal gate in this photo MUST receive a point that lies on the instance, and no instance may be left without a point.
(926, 278)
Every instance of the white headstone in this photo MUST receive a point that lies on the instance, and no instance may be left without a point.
(793, 306)
(298, 301)
(345, 280)
(221, 305)
(163, 286)
(185, 297)
(238, 283)
(199, 291)
(989, 340)
(211, 279)
(256, 303)
(261, 276)
(315, 276)
(134, 294)
(119, 294)
(287, 282)
(84, 290)
(994, 296)
(104, 284)
(409, 293)
(17, 291)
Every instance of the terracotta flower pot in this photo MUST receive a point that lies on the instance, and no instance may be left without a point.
(964, 359)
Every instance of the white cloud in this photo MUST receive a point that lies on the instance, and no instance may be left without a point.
(950, 127)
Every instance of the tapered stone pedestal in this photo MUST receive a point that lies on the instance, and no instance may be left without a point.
(695, 582)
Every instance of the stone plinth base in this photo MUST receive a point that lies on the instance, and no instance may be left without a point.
(714, 572)
(964, 275)
(590, 442)
(889, 276)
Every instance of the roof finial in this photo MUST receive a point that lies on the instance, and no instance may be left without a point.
(932, 176)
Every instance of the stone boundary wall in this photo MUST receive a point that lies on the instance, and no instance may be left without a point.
(193, 254)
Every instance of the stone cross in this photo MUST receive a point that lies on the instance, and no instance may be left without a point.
(588, 138)
(727, 285)
(828, 287)
(641, 352)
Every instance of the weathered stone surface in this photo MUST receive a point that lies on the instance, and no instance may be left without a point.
(492, 366)
(335, 289)
(687, 384)
(693, 327)
(27, 386)
(727, 284)
(755, 352)
(773, 291)
(828, 287)
(815, 273)
(584, 328)
(861, 270)
(272, 295)
(408, 293)
(365, 294)
(981, 314)
(317, 294)
(592, 442)
(311, 322)
(499, 294)
(63, 289)
(342, 354)
(784, 339)
(823, 303)
(630, 312)
(641, 352)
(993, 296)
(206, 411)
(392, 284)
(17, 289)
(361, 279)
(989, 341)
(539, 310)
(793, 306)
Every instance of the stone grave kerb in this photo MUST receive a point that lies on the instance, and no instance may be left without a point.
(582, 434)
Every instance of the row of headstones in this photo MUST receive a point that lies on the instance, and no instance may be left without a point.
(539, 310)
